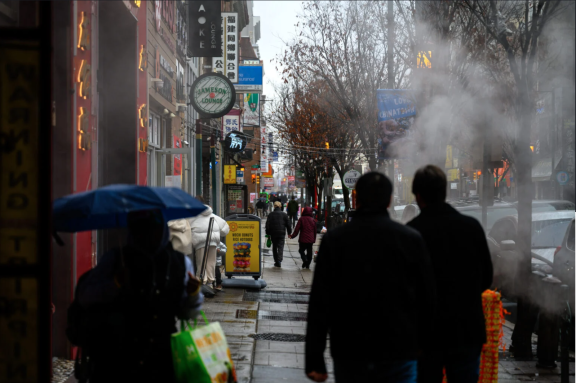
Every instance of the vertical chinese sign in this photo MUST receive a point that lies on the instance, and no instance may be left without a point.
(227, 64)
(263, 148)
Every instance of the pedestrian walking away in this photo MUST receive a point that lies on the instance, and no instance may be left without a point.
(293, 210)
(461, 278)
(386, 349)
(306, 227)
(125, 308)
(199, 226)
(277, 226)
(259, 207)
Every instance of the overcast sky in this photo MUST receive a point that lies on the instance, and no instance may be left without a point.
(277, 23)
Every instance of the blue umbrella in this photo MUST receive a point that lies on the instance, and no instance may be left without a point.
(107, 207)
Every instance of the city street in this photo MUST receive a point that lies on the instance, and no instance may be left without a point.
(280, 310)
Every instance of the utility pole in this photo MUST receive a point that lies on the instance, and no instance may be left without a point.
(391, 39)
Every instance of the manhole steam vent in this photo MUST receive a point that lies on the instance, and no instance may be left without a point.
(277, 337)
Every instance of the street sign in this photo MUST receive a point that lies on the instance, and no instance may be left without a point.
(562, 178)
(350, 178)
(256, 166)
(239, 176)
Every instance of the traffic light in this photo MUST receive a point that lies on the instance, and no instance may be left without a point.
(327, 145)
(257, 179)
(253, 178)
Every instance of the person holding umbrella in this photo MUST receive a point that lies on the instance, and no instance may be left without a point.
(132, 299)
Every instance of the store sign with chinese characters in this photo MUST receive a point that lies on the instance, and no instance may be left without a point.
(227, 64)
(231, 123)
(263, 149)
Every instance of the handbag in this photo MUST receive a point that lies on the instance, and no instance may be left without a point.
(201, 354)
(268, 241)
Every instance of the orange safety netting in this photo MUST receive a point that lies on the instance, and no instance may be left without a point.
(494, 316)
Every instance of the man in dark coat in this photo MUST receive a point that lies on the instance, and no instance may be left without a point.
(463, 270)
(293, 210)
(396, 273)
(306, 226)
(277, 225)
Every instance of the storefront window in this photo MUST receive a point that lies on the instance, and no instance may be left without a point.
(154, 130)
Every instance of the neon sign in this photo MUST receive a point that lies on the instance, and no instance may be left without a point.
(143, 115)
(84, 141)
(84, 80)
(143, 58)
(83, 34)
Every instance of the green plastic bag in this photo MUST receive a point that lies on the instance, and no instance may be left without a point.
(201, 354)
(268, 241)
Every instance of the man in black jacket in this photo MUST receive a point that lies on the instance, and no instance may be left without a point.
(463, 270)
(395, 303)
(276, 226)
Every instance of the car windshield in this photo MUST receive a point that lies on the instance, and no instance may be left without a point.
(549, 233)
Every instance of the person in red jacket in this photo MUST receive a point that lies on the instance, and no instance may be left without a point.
(306, 226)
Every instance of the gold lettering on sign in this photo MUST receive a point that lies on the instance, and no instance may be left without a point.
(143, 58)
(83, 32)
(84, 80)
(19, 158)
(143, 115)
(84, 140)
(142, 145)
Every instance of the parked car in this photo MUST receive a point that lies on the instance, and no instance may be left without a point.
(503, 209)
(548, 232)
(398, 212)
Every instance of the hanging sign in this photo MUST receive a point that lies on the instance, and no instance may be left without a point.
(230, 124)
(263, 152)
(212, 95)
(204, 34)
(350, 178)
(227, 62)
(251, 109)
(230, 174)
(235, 142)
(239, 176)
(249, 79)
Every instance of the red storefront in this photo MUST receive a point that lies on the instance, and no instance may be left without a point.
(100, 121)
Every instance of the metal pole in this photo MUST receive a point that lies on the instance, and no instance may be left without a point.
(486, 175)
(198, 158)
(214, 180)
(391, 38)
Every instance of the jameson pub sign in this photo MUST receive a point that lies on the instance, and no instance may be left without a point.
(212, 95)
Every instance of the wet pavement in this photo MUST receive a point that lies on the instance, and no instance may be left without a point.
(265, 329)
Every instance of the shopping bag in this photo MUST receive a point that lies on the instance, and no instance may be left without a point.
(201, 354)
(268, 241)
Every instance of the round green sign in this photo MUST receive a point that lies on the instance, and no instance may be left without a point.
(212, 95)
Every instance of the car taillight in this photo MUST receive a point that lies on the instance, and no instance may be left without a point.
(557, 250)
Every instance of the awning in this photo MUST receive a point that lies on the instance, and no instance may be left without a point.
(542, 169)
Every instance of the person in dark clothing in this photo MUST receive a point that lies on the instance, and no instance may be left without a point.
(463, 271)
(132, 299)
(399, 265)
(277, 225)
(306, 226)
(293, 210)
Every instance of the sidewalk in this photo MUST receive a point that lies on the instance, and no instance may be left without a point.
(278, 313)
